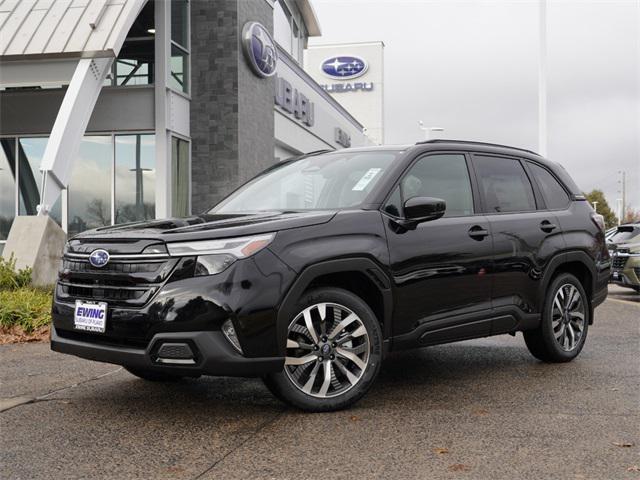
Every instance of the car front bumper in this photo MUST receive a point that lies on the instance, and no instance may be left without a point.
(212, 354)
(189, 311)
(629, 275)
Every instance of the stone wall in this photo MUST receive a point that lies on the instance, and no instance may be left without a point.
(232, 119)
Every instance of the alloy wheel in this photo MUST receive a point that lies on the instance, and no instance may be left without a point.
(568, 317)
(328, 350)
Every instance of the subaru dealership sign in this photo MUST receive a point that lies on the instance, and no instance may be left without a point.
(259, 49)
(344, 67)
(353, 74)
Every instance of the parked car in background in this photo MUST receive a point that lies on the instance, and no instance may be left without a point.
(624, 248)
(312, 272)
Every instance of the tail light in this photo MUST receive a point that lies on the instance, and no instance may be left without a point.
(598, 220)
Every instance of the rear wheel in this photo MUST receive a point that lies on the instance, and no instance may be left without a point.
(564, 324)
(152, 376)
(334, 349)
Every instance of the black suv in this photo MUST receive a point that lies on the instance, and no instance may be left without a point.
(312, 272)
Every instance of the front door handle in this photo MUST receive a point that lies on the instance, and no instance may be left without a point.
(547, 227)
(478, 233)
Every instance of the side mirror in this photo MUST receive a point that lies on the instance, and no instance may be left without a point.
(424, 209)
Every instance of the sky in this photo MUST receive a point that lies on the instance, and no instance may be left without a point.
(471, 67)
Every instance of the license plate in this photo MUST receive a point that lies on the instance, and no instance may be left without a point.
(616, 276)
(91, 317)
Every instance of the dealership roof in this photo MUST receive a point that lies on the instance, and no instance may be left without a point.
(64, 28)
(310, 18)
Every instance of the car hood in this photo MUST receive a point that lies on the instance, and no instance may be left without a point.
(207, 226)
(632, 247)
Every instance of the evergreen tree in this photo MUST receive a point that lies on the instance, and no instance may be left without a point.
(610, 219)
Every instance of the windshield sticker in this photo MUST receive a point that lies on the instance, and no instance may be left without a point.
(366, 179)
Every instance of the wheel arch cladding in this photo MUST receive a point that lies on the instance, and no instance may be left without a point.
(577, 264)
(361, 276)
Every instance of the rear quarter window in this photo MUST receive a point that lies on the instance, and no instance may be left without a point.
(555, 196)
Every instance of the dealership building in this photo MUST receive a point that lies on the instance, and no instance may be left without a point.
(196, 97)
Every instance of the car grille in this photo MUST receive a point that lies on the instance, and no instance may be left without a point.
(129, 280)
(78, 266)
(619, 262)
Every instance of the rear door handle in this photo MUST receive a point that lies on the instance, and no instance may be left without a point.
(478, 233)
(547, 227)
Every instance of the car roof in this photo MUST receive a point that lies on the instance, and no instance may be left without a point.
(474, 147)
(442, 144)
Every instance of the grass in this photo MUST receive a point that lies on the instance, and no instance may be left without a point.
(23, 308)
(10, 278)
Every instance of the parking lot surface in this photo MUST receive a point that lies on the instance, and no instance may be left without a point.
(482, 409)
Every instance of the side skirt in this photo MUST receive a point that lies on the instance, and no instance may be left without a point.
(498, 321)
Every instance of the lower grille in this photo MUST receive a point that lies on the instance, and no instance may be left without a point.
(619, 262)
(100, 339)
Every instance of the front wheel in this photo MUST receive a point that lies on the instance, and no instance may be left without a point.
(334, 350)
(564, 323)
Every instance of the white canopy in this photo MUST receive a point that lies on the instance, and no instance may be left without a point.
(75, 41)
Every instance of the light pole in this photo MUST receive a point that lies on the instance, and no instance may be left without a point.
(427, 130)
(619, 210)
(623, 181)
(542, 79)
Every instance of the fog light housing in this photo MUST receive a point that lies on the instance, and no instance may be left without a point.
(213, 264)
(230, 333)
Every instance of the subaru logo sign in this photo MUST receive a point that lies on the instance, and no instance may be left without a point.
(99, 258)
(344, 67)
(260, 49)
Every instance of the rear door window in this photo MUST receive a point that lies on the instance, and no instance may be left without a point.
(554, 194)
(504, 184)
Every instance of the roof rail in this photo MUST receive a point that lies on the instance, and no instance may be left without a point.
(469, 142)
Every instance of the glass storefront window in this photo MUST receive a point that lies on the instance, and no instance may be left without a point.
(134, 65)
(108, 166)
(7, 189)
(179, 19)
(282, 32)
(135, 178)
(179, 76)
(30, 153)
(89, 192)
(133, 72)
(179, 177)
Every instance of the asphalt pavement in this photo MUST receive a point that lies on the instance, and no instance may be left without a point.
(482, 409)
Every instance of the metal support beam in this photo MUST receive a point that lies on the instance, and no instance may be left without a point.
(69, 127)
(163, 137)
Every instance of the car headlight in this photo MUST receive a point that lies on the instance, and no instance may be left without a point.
(215, 256)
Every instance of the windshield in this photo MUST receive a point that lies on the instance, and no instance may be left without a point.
(624, 234)
(327, 181)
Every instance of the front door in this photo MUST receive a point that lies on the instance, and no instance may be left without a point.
(439, 268)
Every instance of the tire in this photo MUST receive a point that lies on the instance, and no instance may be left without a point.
(552, 341)
(344, 327)
(153, 376)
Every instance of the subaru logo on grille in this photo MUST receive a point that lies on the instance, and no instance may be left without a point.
(99, 258)
(260, 49)
(344, 67)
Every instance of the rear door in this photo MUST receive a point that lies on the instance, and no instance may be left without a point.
(439, 268)
(525, 234)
